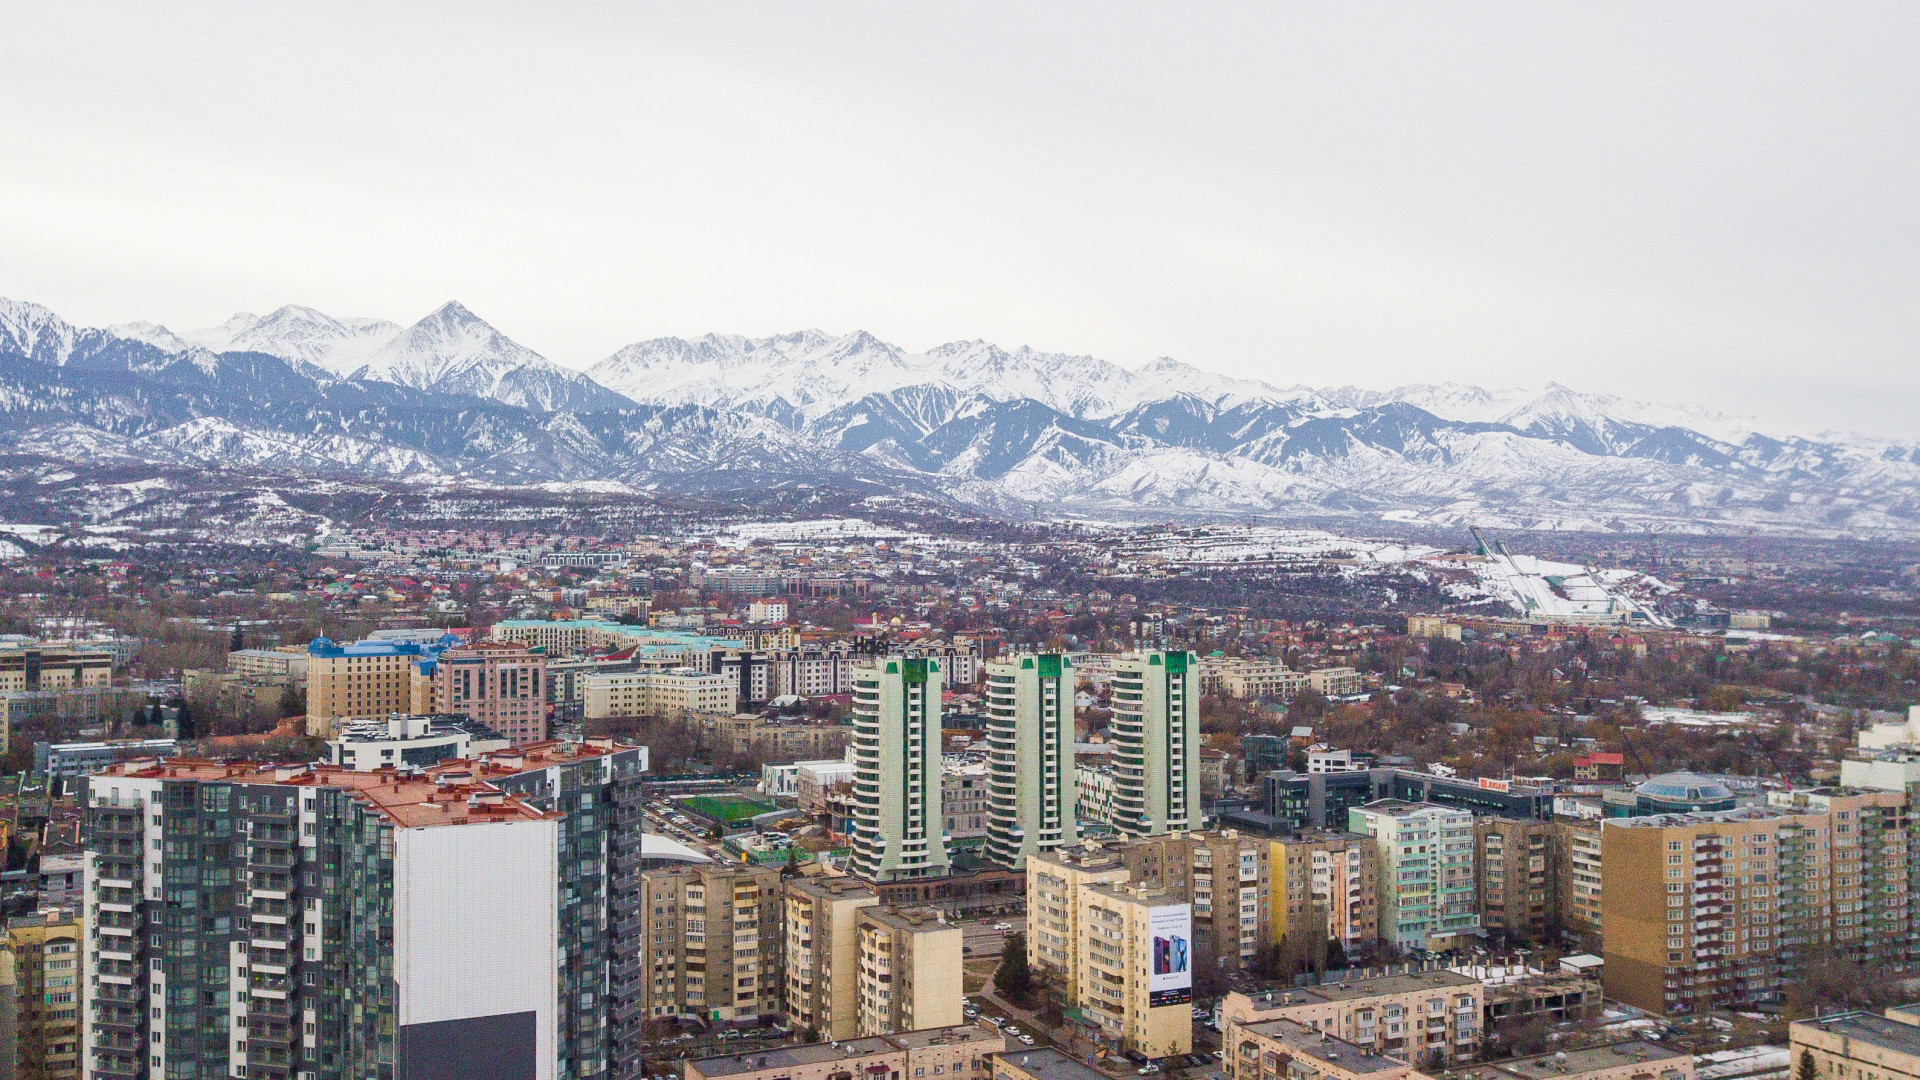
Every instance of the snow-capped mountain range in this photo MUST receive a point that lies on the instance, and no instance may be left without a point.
(1014, 431)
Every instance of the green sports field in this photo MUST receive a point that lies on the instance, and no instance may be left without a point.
(726, 808)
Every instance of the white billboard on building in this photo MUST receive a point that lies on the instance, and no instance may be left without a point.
(1170, 976)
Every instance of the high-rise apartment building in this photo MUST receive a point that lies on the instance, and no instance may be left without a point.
(1054, 881)
(1227, 876)
(1747, 900)
(361, 680)
(47, 977)
(822, 951)
(1156, 736)
(1325, 888)
(712, 936)
(497, 683)
(1031, 783)
(896, 829)
(1579, 870)
(309, 921)
(1516, 877)
(1135, 960)
(1425, 853)
(907, 969)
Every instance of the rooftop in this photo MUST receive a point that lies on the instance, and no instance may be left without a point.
(1870, 1028)
(1412, 982)
(1046, 1063)
(1590, 1059)
(786, 1057)
(1309, 1043)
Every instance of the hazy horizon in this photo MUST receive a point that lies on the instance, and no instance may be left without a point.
(1696, 206)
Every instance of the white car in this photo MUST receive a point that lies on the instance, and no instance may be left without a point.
(1003, 926)
(1011, 1030)
(1028, 1039)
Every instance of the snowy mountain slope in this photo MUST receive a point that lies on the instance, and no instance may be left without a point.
(1016, 431)
(454, 351)
(341, 346)
(817, 374)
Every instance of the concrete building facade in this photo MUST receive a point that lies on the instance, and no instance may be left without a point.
(896, 831)
(1030, 735)
(1156, 736)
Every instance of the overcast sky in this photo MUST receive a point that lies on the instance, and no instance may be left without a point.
(1709, 204)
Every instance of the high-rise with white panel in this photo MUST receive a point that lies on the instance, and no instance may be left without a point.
(1030, 781)
(1156, 737)
(896, 770)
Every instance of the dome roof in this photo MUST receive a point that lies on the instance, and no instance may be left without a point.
(1685, 787)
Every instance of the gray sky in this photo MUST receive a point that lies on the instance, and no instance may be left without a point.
(1711, 204)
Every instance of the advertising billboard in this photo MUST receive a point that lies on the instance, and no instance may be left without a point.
(1170, 976)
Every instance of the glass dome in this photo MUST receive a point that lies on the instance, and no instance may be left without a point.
(1685, 787)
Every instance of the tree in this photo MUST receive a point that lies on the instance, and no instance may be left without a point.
(291, 703)
(811, 1035)
(1336, 955)
(792, 868)
(1013, 976)
(1808, 1070)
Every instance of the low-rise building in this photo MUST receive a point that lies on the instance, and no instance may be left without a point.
(1857, 1046)
(36, 665)
(1336, 681)
(681, 692)
(964, 1051)
(1637, 1059)
(73, 760)
(1428, 1017)
(1290, 1050)
(410, 741)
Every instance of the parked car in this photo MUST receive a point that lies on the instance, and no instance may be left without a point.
(1003, 926)
(1219, 1055)
(1027, 1039)
(1136, 1057)
(1148, 1069)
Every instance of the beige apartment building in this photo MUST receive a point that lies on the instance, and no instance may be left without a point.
(675, 693)
(1054, 881)
(822, 952)
(36, 665)
(1516, 876)
(712, 937)
(1748, 896)
(1290, 1050)
(775, 739)
(1432, 1018)
(962, 1052)
(47, 981)
(1225, 875)
(500, 684)
(362, 680)
(1579, 873)
(284, 660)
(1248, 678)
(907, 970)
(1325, 887)
(1858, 1045)
(1336, 681)
(1131, 993)
(1636, 1059)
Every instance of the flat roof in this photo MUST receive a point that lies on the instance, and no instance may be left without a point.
(785, 1057)
(1046, 1063)
(1872, 1029)
(943, 1036)
(1311, 1043)
(408, 801)
(1412, 982)
(1590, 1059)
